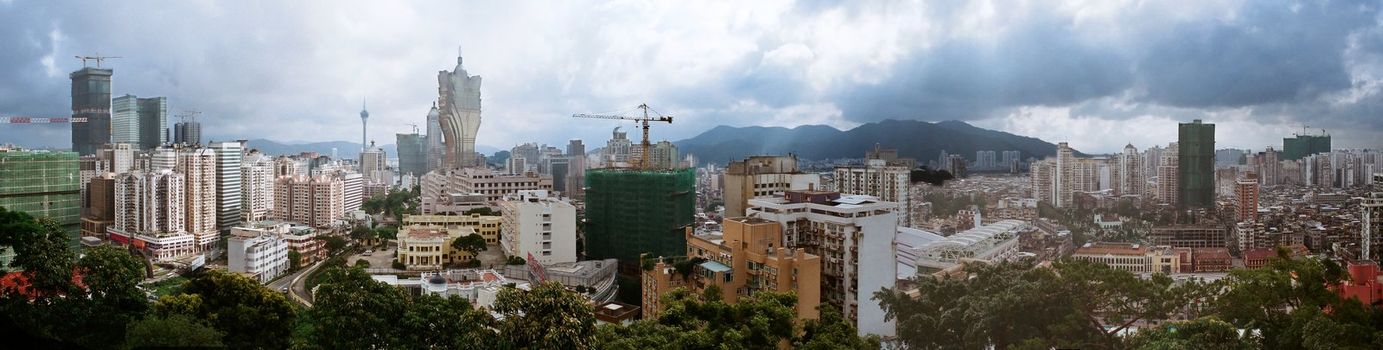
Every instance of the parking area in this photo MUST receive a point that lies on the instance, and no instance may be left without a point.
(379, 259)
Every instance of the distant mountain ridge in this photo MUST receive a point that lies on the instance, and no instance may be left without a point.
(916, 139)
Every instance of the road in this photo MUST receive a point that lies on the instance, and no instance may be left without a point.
(298, 282)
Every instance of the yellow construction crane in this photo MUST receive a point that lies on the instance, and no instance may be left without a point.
(643, 158)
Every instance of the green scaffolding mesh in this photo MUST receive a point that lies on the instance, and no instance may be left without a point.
(43, 184)
(630, 211)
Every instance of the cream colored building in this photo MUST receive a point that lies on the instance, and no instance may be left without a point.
(760, 176)
(888, 183)
(316, 201)
(256, 188)
(429, 248)
(198, 166)
(487, 226)
(1130, 257)
(494, 185)
(539, 225)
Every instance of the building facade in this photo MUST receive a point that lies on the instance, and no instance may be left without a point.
(538, 225)
(889, 183)
(760, 176)
(458, 105)
(853, 235)
(91, 100)
(631, 212)
(42, 184)
(1196, 165)
(258, 253)
(313, 200)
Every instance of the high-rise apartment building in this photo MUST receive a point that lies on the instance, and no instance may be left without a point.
(98, 208)
(151, 203)
(853, 235)
(1168, 176)
(1196, 165)
(1130, 172)
(619, 149)
(631, 212)
(412, 155)
(372, 165)
(228, 156)
(119, 157)
(352, 190)
(876, 178)
(42, 184)
(1246, 191)
(538, 225)
(91, 100)
(759, 176)
(313, 200)
(458, 104)
(199, 168)
(664, 156)
(256, 188)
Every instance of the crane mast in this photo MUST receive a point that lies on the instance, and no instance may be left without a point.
(643, 162)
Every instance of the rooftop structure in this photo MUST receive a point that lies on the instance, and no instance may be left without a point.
(993, 242)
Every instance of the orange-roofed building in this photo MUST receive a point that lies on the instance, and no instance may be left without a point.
(1365, 283)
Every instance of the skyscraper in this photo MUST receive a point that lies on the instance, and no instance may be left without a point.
(1246, 189)
(187, 132)
(458, 104)
(372, 165)
(412, 155)
(436, 154)
(1130, 171)
(91, 100)
(228, 156)
(1196, 165)
(142, 122)
(618, 149)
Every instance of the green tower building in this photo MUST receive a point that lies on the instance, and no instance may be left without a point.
(1300, 146)
(41, 183)
(1196, 165)
(632, 211)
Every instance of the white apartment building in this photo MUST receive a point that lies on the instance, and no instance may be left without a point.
(256, 188)
(876, 178)
(257, 252)
(853, 235)
(352, 190)
(150, 202)
(539, 225)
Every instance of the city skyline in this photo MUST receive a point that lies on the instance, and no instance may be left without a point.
(1097, 75)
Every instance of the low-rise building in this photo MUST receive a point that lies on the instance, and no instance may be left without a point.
(1210, 260)
(480, 287)
(993, 242)
(1135, 258)
(258, 253)
(429, 248)
(539, 226)
(487, 226)
(1189, 236)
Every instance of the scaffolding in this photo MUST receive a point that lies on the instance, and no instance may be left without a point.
(42, 184)
(632, 211)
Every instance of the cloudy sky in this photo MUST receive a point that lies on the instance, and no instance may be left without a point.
(1097, 73)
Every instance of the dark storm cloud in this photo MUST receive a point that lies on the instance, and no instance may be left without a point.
(1273, 52)
(1273, 57)
(1039, 63)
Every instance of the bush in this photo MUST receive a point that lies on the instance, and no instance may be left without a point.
(362, 263)
(514, 260)
(399, 266)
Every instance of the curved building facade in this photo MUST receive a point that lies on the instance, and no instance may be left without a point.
(458, 104)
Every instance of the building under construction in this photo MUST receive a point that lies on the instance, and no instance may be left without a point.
(42, 184)
(634, 211)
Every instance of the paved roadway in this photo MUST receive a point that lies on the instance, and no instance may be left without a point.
(298, 281)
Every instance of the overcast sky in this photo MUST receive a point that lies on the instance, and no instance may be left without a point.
(1098, 73)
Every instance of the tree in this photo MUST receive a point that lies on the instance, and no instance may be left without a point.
(362, 233)
(113, 299)
(764, 320)
(435, 322)
(173, 331)
(250, 315)
(832, 331)
(1201, 333)
(483, 211)
(334, 244)
(472, 243)
(387, 232)
(547, 317)
(353, 311)
(294, 260)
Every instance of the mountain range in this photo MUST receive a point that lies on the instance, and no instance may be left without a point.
(916, 139)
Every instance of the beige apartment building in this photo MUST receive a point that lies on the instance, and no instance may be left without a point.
(747, 257)
(316, 201)
(1134, 258)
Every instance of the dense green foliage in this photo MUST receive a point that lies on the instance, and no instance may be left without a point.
(472, 243)
(1083, 305)
(394, 204)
